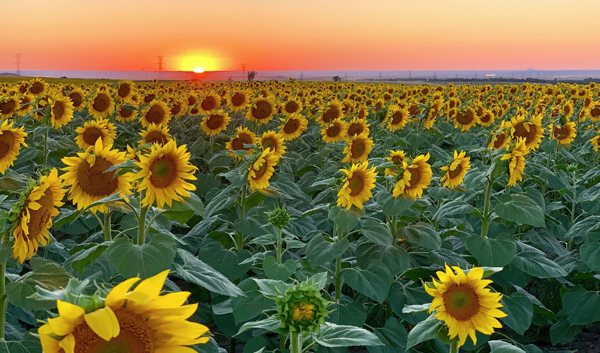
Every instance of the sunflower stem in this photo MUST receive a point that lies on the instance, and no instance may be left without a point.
(393, 228)
(338, 281)
(141, 239)
(486, 208)
(3, 299)
(46, 147)
(107, 226)
(279, 245)
(295, 343)
(454, 347)
(574, 199)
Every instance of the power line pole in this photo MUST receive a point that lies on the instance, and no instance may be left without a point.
(410, 75)
(435, 75)
(18, 63)
(345, 77)
(380, 76)
(243, 70)
(301, 75)
(160, 65)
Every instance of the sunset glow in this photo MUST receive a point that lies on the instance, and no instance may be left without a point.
(198, 70)
(302, 35)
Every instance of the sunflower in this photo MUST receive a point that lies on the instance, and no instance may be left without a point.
(397, 118)
(293, 127)
(125, 90)
(210, 102)
(334, 131)
(593, 111)
(396, 157)
(91, 131)
(155, 134)
(564, 134)
(135, 321)
(125, 115)
(163, 172)
(261, 111)
(89, 180)
(157, 113)
(76, 96)
(38, 87)
(415, 177)
(499, 138)
(516, 165)
(595, 141)
(274, 141)
(464, 303)
(358, 148)
(456, 170)
(9, 106)
(261, 170)
(215, 122)
(238, 100)
(331, 111)
(291, 107)
(529, 129)
(465, 119)
(434, 109)
(11, 140)
(357, 186)
(178, 108)
(242, 137)
(357, 127)
(487, 118)
(101, 105)
(35, 217)
(61, 112)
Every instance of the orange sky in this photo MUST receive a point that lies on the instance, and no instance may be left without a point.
(301, 34)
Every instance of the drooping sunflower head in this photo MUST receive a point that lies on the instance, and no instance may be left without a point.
(464, 303)
(35, 211)
(398, 158)
(89, 179)
(131, 321)
(397, 118)
(158, 134)
(262, 110)
(292, 127)
(238, 100)
(126, 90)
(335, 131)
(163, 173)
(274, 141)
(416, 176)
(215, 122)
(529, 129)
(261, 170)
(242, 137)
(331, 111)
(357, 127)
(358, 148)
(357, 186)
(500, 137)
(516, 161)
(91, 131)
(62, 110)
(11, 140)
(302, 309)
(157, 113)
(101, 105)
(564, 134)
(456, 170)
(432, 113)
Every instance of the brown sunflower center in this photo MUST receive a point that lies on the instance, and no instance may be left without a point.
(38, 219)
(124, 90)
(164, 172)
(291, 107)
(269, 143)
(208, 103)
(125, 113)
(58, 110)
(291, 126)
(155, 115)
(333, 131)
(8, 107)
(415, 177)
(461, 302)
(529, 136)
(135, 336)
(215, 121)
(595, 112)
(356, 184)
(90, 135)
(561, 132)
(76, 98)
(238, 99)
(357, 149)
(397, 118)
(191, 100)
(94, 180)
(464, 118)
(397, 160)
(36, 88)
(262, 111)
(485, 118)
(499, 141)
(331, 114)
(261, 170)
(355, 129)
(156, 137)
(7, 140)
(239, 142)
(101, 103)
(176, 108)
(456, 172)
(149, 98)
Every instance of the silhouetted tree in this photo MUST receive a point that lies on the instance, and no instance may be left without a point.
(251, 76)
(337, 78)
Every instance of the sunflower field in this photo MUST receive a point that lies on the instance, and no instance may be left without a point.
(181, 217)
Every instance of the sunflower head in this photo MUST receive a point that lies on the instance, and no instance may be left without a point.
(91, 131)
(335, 131)
(215, 122)
(456, 170)
(293, 127)
(11, 140)
(261, 170)
(464, 303)
(262, 110)
(516, 161)
(358, 148)
(157, 113)
(155, 134)
(302, 309)
(125, 90)
(357, 186)
(529, 129)
(274, 141)
(101, 105)
(279, 218)
(238, 100)
(210, 102)
(415, 176)
(126, 113)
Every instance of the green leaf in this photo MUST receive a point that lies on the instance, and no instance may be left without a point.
(182, 211)
(198, 272)
(5, 251)
(537, 264)
(345, 219)
(377, 232)
(281, 272)
(132, 260)
(271, 288)
(319, 251)
(83, 258)
(223, 200)
(423, 331)
(393, 336)
(581, 307)
(333, 336)
(492, 252)
(392, 206)
(395, 258)
(46, 274)
(270, 324)
(519, 310)
(374, 282)
(590, 254)
(422, 234)
(521, 209)
(250, 306)
(353, 314)
(503, 347)
(453, 208)
(29, 344)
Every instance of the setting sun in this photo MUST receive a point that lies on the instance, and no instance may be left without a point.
(198, 70)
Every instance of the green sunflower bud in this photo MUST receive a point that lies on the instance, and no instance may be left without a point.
(279, 218)
(302, 309)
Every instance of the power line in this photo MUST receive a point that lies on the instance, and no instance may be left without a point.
(161, 66)
(18, 63)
